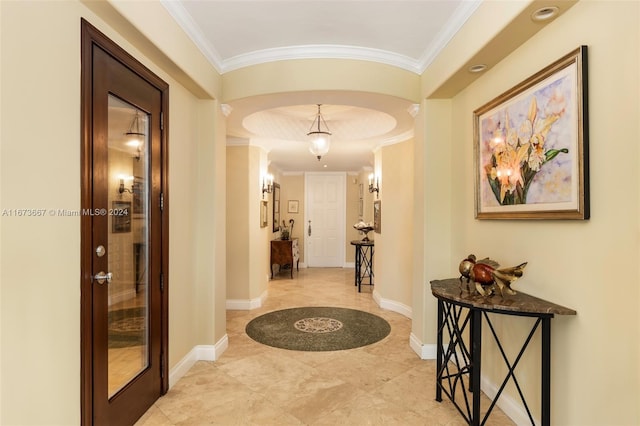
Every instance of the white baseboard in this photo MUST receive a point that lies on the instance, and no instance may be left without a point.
(392, 305)
(246, 304)
(422, 350)
(350, 265)
(198, 353)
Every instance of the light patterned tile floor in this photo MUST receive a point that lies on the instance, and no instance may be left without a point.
(253, 384)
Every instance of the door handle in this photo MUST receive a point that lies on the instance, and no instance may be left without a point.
(101, 277)
(309, 231)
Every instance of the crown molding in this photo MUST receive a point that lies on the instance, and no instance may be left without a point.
(320, 51)
(403, 137)
(459, 18)
(188, 25)
(193, 31)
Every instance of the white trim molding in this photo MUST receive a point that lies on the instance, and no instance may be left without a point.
(424, 351)
(246, 304)
(392, 305)
(320, 51)
(198, 353)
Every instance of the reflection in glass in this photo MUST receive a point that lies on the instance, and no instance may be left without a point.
(128, 319)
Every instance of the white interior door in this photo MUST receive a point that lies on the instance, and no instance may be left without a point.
(325, 219)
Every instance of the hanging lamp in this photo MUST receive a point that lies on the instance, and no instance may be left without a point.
(136, 135)
(320, 139)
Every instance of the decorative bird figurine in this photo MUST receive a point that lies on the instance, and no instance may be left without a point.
(486, 275)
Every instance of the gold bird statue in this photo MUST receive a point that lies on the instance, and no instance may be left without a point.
(486, 276)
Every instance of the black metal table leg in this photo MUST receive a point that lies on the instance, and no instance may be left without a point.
(546, 371)
(476, 355)
(439, 351)
(358, 278)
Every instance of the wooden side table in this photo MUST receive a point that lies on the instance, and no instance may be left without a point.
(285, 252)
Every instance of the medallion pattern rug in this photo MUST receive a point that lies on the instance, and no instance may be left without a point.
(127, 327)
(318, 329)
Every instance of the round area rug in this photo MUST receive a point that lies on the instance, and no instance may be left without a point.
(318, 329)
(127, 327)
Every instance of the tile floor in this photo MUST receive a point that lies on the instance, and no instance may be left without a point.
(253, 384)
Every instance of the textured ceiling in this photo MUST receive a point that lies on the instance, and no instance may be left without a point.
(237, 33)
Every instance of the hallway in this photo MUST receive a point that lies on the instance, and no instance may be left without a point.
(381, 384)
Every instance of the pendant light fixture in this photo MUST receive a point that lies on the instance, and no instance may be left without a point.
(319, 139)
(135, 135)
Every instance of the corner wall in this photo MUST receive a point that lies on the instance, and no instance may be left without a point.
(586, 265)
(40, 169)
(394, 244)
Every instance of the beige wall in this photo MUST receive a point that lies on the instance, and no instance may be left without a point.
(40, 256)
(292, 188)
(246, 239)
(583, 265)
(586, 265)
(352, 217)
(320, 74)
(238, 233)
(394, 245)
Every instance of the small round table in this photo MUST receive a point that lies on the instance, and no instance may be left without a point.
(364, 262)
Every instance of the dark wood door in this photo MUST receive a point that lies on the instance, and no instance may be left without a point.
(124, 230)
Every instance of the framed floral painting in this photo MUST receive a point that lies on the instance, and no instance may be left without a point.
(531, 146)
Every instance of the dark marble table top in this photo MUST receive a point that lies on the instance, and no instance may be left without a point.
(362, 242)
(453, 290)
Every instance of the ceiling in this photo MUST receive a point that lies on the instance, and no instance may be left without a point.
(238, 33)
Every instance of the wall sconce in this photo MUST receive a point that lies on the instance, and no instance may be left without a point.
(121, 187)
(373, 188)
(267, 184)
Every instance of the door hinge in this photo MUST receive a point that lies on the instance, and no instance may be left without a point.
(161, 282)
(162, 121)
(162, 201)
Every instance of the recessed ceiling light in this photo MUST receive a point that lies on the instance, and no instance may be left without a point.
(545, 13)
(477, 68)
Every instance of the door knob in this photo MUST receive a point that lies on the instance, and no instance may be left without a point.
(101, 277)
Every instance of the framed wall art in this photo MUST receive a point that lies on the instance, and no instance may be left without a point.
(121, 217)
(531, 146)
(263, 214)
(276, 208)
(377, 217)
(293, 206)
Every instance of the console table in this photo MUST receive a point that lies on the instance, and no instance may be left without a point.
(460, 309)
(364, 262)
(285, 252)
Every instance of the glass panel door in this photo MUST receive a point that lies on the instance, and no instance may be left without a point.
(128, 241)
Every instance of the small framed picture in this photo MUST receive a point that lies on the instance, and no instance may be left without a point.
(121, 217)
(377, 217)
(263, 214)
(292, 206)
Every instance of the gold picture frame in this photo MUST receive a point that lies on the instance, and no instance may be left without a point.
(531, 146)
(293, 206)
(276, 207)
(264, 216)
(377, 216)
